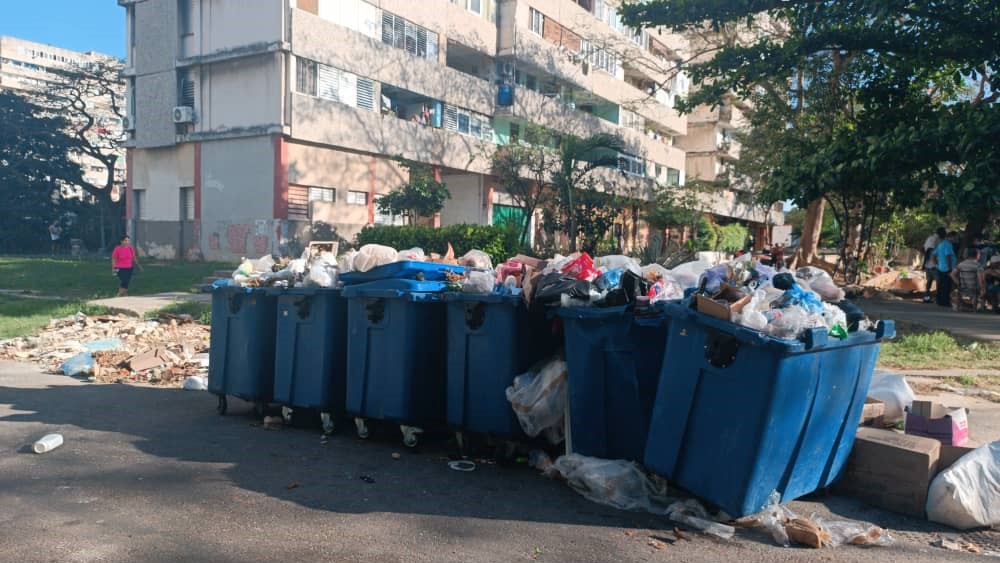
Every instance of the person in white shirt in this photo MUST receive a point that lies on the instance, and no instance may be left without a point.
(930, 261)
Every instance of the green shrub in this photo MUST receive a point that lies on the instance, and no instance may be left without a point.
(732, 237)
(499, 242)
(708, 235)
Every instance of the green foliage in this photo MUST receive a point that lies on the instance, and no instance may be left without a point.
(732, 237)
(24, 317)
(499, 243)
(34, 165)
(935, 349)
(708, 236)
(421, 196)
(523, 173)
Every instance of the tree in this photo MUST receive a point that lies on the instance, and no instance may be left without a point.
(91, 99)
(524, 173)
(577, 159)
(35, 170)
(865, 103)
(422, 196)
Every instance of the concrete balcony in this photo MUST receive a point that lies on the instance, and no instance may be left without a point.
(453, 21)
(730, 203)
(365, 56)
(539, 53)
(329, 123)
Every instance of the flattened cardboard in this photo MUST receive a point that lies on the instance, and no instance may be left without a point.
(721, 309)
(890, 470)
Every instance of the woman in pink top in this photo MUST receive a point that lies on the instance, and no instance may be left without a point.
(123, 259)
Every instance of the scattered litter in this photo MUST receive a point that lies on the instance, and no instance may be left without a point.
(366, 479)
(616, 483)
(656, 544)
(273, 422)
(80, 364)
(680, 535)
(891, 389)
(196, 383)
(786, 527)
(537, 459)
(956, 545)
(539, 397)
(47, 443)
(293, 485)
(967, 494)
(396, 456)
(462, 465)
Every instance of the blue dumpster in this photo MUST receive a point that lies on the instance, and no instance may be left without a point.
(311, 352)
(613, 357)
(740, 414)
(241, 355)
(395, 357)
(491, 340)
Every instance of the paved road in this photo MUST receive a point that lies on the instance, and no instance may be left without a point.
(978, 326)
(155, 475)
(139, 305)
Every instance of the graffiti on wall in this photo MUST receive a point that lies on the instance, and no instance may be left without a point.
(236, 236)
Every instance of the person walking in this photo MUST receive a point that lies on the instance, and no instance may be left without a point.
(55, 233)
(946, 260)
(123, 261)
(930, 261)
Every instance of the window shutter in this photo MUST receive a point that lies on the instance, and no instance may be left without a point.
(366, 94)
(187, 91)
(328, 83)
(487, 130)
(432, 45)
(451, 118)
(421, 42)
(387, 28)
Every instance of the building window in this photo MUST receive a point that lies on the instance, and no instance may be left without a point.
(185, 16)
(139, 203)
(476, 6)
(186, 89)
(382, 218)
(515, 133)
(305, 76)
(537, 23)
(357, 198)
(298, 203)
(323, 194)
(631, 165)
(468, 123)
(408, 36)
(673, 177)
(187, 203)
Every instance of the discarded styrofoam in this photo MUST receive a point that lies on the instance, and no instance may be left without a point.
(196, 383)
(47, 443)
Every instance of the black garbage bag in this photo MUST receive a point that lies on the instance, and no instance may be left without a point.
(551, 287)
(854, 314)
(632, 287)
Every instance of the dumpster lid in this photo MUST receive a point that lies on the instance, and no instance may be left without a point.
(512, 299)
(308, 291)
(428, 271)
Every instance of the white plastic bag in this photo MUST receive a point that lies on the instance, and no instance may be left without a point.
(346, 261)
(321, 276)
(826, 288)
(687, 274)
(618, 262)
(263, 264)
(539, 399)
(617, 483)
(479, 282)
(413, 254)
(967, 494)
(833, 316)
(751, 315)
(655, 272)
(374, 255)
(891, 389)
(476, 259)
(196, 383)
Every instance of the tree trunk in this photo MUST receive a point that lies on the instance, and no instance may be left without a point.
(808, 250)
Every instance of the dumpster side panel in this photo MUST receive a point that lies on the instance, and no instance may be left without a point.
(242, 348)
(311, 342)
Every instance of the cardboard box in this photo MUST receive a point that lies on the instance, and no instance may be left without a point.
(933, 420)
(951, 454)
(535, 263)
(890, 470)
(721, 309)
(873, 413)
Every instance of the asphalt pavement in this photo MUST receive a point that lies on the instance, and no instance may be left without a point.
(149, 474)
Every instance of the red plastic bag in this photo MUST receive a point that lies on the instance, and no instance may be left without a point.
(582, 268)
(510, 268)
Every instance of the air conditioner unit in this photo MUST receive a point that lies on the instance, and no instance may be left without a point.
(128, 123)
(183, 114)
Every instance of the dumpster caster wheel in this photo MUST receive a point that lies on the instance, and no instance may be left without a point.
(362, 428)
(223, 405)
(259, 408)
(286, 415)
(328, 424)
(410, 439)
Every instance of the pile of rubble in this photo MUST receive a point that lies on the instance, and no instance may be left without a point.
(115, 349)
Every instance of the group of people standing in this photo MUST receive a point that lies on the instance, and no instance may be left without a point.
(941, 264)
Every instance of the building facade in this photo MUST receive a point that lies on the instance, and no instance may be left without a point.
(254, 122)
(34, 68)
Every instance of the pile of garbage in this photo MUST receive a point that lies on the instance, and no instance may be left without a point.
(113, 348)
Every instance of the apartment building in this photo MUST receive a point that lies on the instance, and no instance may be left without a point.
(33, 68)
(254, 121)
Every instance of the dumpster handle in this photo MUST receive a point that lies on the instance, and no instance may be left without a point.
(720, 348)
(475, 315)
(376, 310)
(304, 306)
(235, 302)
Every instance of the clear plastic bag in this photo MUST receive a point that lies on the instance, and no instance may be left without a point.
(618, 262)
(412, 254)
(80, 364)
(826, 288)
(967, 494)
(374, 255)
(891, 389)
(846, 532)
(654, 272)
(263, 264)
(476, 259)
(751, 315)
(539, 397)
(346, 261)
(617, 483)
(479, 282)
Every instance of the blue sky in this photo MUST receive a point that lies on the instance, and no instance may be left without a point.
(80, 25)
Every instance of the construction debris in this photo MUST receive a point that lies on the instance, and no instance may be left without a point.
(161, 352)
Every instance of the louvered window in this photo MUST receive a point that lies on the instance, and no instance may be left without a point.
(408, 36)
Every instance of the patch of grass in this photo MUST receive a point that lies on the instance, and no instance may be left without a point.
(916, 348)
(25, 317)
(966, 380)
(92, 278)
(202, 312)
